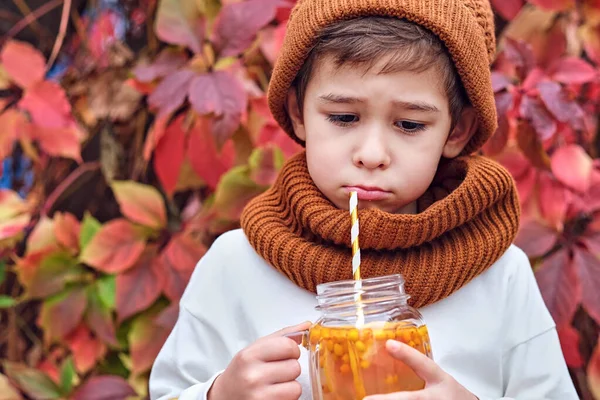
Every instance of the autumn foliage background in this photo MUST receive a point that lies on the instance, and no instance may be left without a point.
(132, 133)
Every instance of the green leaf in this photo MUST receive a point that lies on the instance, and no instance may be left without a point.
(53, 274)
(107, 289)
(67, 374)
(2, 271)
(89, 227)
(7, 302)
(33, 382)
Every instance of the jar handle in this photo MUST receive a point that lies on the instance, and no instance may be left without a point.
(300, 337)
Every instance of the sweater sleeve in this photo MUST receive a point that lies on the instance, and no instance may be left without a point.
(533, 363)
(204, 338)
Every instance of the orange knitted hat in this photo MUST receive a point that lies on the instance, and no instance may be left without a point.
(465, 26)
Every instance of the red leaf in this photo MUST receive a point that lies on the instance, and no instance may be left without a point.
(557, 102)
(238, 23)
(555, 5)
(46, 274)
(85, 348)
(145, 341)
(508, 9)
(221, 94)
(139, 287)
(12, 122)
(520, 54)
(272, 133)
(264, 165)
(23, 62)
(100, 320)
(170, 94)
(104, 388)
(504, 103)
(141, 203)
(168, 317)
(535, 239)
(534, 111)
(67, 230)
(155, 134)
(560, 287)
(178, 261)
(180, 22)
(61, 314)
(60, 142)
(33, 382)
(554, 200)
(569, 343)
(529, 143)
(573, 167)
(115, 248)
(166, 63)
(588, 268)
(206, 160)
(498, 141)
(593, 372)
(42, 237)
(47, 104)
(271, 41)
(572, 70)
(169, 155)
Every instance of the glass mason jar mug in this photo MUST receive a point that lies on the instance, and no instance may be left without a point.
(348, 358)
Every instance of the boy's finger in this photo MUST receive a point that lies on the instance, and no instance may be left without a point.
(423, 366)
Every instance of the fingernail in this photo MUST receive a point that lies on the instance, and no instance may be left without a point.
(393, 345)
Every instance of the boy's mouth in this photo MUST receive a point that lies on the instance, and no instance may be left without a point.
(368, 193)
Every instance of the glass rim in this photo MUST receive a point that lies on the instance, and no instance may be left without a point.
(365, 283)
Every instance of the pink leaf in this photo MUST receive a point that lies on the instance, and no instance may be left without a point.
(178, 261)
(180, 22)
(141, 203)
(573, 70)
(61, 314)
(23, 62)
(115, 248)
(85, 348)
(103, 388)
(67, 230)
(219, 93)
(139, 287)
(588, 269)
(168, 317)
(170, 94)
(554, 200)
(155, 134)
(534, 111)
(47, 104)
(573, 167)
(238, 23)
(59, 142)
(508, 9)
(13, 124)
(536, 239)
(167, 63)
(560, 287)
(564, 109)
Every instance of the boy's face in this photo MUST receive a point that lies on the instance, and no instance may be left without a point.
(380, 134)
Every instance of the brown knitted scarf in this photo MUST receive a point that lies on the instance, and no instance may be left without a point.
(466, 221)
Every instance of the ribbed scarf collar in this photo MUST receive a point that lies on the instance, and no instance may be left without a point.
(467, 219)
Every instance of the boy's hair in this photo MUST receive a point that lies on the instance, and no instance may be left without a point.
(363, 42)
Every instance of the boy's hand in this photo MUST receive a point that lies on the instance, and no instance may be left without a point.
(265, 370)
(438, 384)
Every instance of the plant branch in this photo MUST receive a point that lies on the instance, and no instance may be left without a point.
(64, 185)
(33, 16)
(25, 10)
(62, 31)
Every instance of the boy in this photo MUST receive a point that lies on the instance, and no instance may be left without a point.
(389, 97)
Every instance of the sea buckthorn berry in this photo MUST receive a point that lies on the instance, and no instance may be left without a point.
(338, 350)
(353, 335)
(315, 335)
(344, 368)
(330, 345)
(360, 347)
(364, 364)
(346, 358)
(391, 335)
(380, 335)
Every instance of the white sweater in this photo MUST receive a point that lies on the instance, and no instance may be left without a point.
(494, 336)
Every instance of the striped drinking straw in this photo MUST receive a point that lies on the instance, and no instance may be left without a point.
(354, 236)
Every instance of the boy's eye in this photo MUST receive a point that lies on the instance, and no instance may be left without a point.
(410, 127)
(342, 119)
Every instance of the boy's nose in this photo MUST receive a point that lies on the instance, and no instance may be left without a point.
(372, 153)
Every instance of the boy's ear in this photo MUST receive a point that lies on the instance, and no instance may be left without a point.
(293, 109)
(463, 131)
